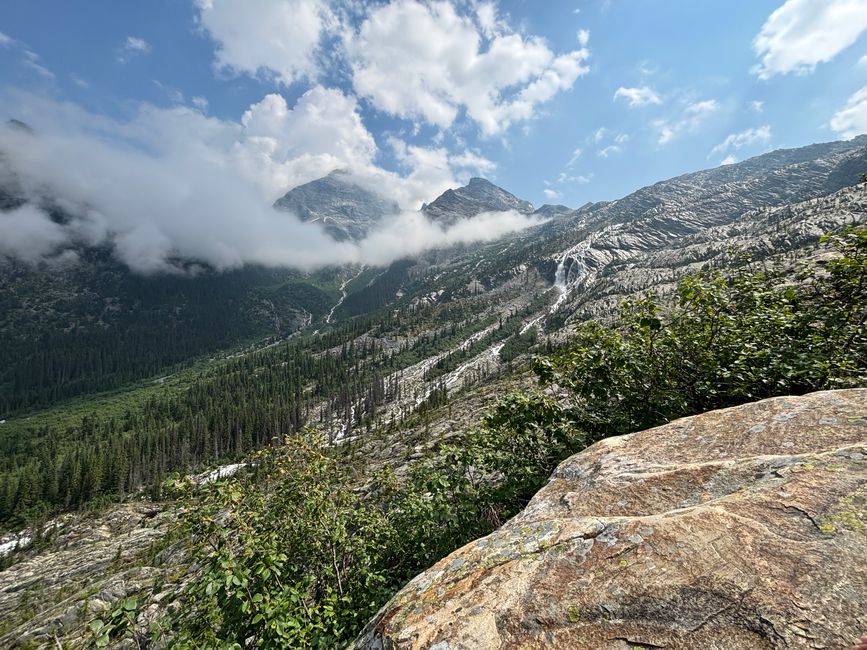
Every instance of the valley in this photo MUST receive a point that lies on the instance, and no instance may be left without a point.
(386, 364)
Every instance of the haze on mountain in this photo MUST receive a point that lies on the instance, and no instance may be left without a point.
(290, 358)
(153, 213)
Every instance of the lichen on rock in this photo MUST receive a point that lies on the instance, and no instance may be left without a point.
(738, 528)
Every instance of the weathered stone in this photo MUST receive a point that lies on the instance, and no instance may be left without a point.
(738, 528)
(91, 563)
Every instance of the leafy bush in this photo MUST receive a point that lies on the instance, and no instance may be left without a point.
(726, 341)
(300, 552)
(288, 555)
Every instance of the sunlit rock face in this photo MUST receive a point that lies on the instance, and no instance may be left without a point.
(738, 528)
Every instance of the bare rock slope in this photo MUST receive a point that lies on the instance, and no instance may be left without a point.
(738, 528)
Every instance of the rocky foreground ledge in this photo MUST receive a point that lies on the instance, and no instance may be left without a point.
(739, 528)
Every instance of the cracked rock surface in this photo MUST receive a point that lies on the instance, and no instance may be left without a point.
(738, 528)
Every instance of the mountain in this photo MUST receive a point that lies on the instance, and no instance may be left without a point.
(389, 362)
(549, 211)
(346, 209)
(477, 196)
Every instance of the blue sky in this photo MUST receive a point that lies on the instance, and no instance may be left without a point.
(557, 101)
(684, 51)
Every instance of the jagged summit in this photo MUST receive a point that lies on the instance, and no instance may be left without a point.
(346, 209)
(477, 196)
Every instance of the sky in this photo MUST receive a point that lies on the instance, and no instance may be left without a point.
(556, 101)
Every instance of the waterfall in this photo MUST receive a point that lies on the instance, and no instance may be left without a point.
(560, 274)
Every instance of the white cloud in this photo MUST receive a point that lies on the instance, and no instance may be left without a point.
(6, 40)
(851, 120)
(174, 95)
(583, 37)
(761, 134)
(863, 60)
(174, 182)
(472, 161)
(690, 119)
(729, 160)
(410, 233)
(641, 96)
(602, 135)
(200, 102)
(575, 155)
(580, 179)
(429, 62)
(552, 194)
(132, 46)
(486, 14)
(34, 62)
(702, 108)
(281, 146)
(803, 33)
(28, 232)
(757, 106)
(263, 37)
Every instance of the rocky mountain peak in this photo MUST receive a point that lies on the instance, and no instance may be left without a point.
(345, 208)
(477, 196)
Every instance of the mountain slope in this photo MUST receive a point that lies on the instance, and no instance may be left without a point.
(415, 351)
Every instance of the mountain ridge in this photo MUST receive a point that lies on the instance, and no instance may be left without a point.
(477, 196)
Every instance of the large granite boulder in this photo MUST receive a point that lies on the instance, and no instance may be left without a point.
(738, 528)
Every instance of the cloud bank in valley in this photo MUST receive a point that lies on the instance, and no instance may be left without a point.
(174, 183)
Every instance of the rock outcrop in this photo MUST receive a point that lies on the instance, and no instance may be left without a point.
(50, 594)
(739, 528)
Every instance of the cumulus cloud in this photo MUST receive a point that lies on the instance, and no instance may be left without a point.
(132, 46)
(689, 120)
(851, 120)
(279, 146)
(174, 183)
(761, 134)
(429, 62)
(552, 194)
(262, 37)
(803, 33)
(641, 96)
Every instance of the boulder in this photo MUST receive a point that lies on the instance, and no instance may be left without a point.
(738, 528)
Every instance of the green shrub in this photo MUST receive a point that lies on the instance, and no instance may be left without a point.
(296, 554)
